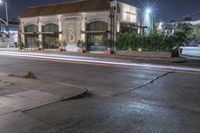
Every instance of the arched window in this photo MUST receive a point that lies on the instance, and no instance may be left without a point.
(31, 28)
(50, 28)
(98, 26)
(49, 39)
(96, 40)
(30, 38)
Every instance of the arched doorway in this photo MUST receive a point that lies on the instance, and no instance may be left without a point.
(31, 34)
(97, 35)
(51, 35)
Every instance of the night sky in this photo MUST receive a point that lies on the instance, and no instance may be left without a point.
(165, 9)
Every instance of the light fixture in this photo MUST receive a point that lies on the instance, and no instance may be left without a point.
(148, 11)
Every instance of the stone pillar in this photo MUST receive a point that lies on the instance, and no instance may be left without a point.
(22, 32)
(60, 27)
(83, 28)
(40, 30)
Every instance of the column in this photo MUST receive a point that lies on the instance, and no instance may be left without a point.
(22, 32)
(60, 27)
(83, 29)
(40, 30)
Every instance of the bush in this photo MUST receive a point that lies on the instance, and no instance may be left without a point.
(20, 44)
(30, 75)
(37, 43)
(155, 41)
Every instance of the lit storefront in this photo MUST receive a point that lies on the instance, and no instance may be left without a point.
(94, 22)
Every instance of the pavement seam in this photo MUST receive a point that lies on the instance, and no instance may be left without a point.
(49, 124)
(141, 86)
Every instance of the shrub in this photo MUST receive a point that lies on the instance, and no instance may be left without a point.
(20, 44)
(37, 43)
(30, 75)
(155, 41)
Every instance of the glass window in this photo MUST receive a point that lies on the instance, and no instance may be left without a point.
(98, 26)
(50, 28)
(31, 28)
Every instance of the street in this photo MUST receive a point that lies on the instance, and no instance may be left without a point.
(120, 99)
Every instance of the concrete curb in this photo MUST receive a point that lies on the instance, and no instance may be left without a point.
(64, 98)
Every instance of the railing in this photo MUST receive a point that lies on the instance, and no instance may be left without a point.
(4, 21)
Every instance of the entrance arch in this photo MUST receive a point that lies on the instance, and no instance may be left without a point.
(97, 35)
(31, 34)
(51, 35)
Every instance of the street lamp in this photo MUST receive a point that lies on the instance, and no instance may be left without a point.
(148, 11)
(6, 5)
(148, 16)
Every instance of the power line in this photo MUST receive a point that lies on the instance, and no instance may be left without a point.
(190, 15)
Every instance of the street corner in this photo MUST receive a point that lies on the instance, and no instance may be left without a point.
(20, 94)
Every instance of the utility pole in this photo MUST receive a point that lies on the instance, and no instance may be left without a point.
(114, 10)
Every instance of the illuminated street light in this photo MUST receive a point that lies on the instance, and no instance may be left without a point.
(148, 11)
(160, 26)
(148, 16)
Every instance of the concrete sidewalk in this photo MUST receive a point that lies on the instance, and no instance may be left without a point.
(19, 94)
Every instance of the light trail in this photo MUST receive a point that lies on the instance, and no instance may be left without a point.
(95, 60)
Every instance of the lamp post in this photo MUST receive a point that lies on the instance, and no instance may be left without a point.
(148, 20)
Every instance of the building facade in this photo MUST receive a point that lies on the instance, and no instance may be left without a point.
(93, 22)
(8, 34)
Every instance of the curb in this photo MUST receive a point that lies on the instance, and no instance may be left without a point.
(40, 95)
(80, 95)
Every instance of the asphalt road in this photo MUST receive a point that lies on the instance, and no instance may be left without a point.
(121, 99)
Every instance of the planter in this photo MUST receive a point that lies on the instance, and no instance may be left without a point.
(107, 52)
(146, 54)
(81, 51)
(62, 49)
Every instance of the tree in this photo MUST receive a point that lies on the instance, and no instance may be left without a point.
(184, 33)
(196, 31)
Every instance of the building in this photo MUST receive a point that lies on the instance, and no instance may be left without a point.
(94, 22)
(8, 34)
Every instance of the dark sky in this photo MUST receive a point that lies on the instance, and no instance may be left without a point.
(165, 9)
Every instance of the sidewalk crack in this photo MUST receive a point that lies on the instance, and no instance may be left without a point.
(150, 82)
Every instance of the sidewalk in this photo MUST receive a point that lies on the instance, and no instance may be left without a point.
(19, 94)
